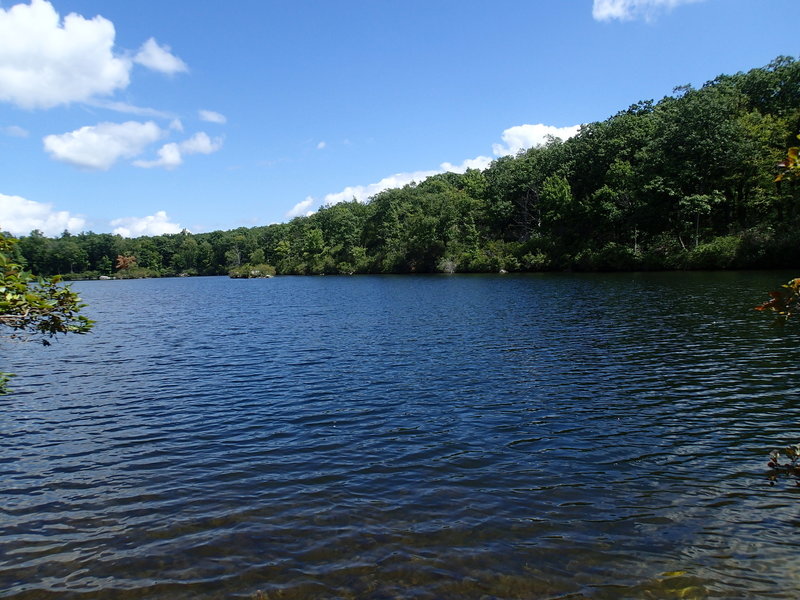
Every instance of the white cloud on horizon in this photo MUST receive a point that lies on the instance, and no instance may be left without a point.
(171, 155)
(210, 116)
(629, 10)
(363, 192)
(515, 139)
(301, 208)
(159, 58)
(479, 162)
(98, 147)
(522, 137)
(20, 216)
(156, 224)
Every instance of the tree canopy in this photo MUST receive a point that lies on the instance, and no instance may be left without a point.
(697, 180)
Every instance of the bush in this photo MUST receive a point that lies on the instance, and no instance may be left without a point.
(535, 262)
(616, 257)
(664, 252)
(719, 253)
(447, 265)
(136, 273)
(248, 271)
(754, 247)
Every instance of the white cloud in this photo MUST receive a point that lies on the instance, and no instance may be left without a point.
(176, 125)
(100, 146)
(171, 155)
(301, 208)
(156, 224)
(14, 131)
(479, 162)
(45, 61)
(20, 216)
(212, 117)
(628, 10)
(130, 109)
(363, 192)
(516, 138)
(522, 137)
(321, 145)
(159, 58)
(200, 143)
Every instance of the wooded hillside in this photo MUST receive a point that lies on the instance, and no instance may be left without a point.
(687, 182)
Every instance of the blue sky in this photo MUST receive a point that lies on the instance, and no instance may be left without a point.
(148, 117)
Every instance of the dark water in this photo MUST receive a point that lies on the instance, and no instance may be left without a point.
(554, 436)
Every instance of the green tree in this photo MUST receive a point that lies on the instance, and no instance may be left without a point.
(33, 308)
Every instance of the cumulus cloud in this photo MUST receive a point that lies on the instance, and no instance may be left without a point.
(99, 146)
(479, 162)
(45, 61)
(363, 192)
(302, 208)
(171, 155)
(200, 143)
(628, 10)
(159, 58)
(321, 145)
(14, 131)
(212, 117)
(522, 137)
(156, 224)
(20, 216)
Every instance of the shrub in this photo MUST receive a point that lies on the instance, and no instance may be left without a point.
(535, 262)
(248, 271)
(447, 265)
(719, 253)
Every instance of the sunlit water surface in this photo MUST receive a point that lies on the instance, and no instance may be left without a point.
(543, 436)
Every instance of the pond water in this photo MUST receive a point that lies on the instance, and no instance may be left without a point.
(532, 436)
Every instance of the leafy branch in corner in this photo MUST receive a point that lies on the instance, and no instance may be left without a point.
(784, 302)
(35, 308)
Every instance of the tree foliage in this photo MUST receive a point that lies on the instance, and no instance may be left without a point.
(34, 308)
(785, 302)
(699, 179)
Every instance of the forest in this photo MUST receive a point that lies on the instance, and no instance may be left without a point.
(692, 181)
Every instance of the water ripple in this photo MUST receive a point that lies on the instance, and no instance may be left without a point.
(554, 436)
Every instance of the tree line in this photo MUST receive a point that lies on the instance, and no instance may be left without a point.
(689, 182)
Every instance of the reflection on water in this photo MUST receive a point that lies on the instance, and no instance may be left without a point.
(544, 436)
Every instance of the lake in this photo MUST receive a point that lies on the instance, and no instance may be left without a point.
(574, 436)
